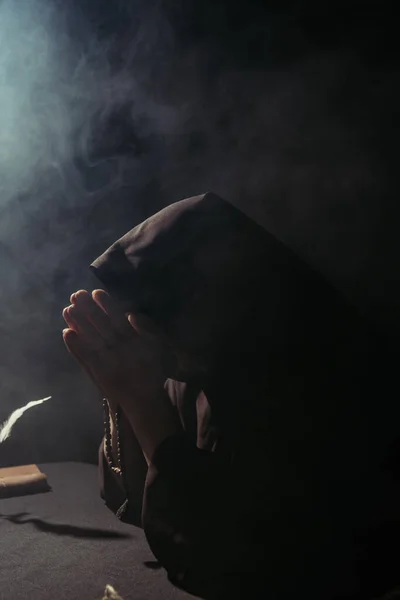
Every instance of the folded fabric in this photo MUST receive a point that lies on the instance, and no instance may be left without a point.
(22, 480)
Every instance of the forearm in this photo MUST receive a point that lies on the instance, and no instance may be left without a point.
(152, 419)
(142, 426)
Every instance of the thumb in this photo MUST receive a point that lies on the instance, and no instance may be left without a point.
(143, 325)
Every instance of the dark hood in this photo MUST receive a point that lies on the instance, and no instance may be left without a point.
(200, 245)
(205, 261)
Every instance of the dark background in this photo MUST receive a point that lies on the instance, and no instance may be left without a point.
(287, 109)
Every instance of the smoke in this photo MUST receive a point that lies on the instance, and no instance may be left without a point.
(67, 142)
(61, 86)
(81, 128)
(30, 108)
(57, 90)
(97, 108)
(43, 97)
(110, 110)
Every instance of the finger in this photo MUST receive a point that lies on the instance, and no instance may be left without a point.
(75, 295)
(143, 325)
(133, 322)
(97, 316)
(117, 316)
(84, 356)
(67, 317)
(78, 321)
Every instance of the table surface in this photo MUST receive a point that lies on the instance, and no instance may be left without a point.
(65, 544)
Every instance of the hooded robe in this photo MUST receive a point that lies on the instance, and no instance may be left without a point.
(282, 481)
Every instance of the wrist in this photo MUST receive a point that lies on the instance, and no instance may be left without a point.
(153, 419)
(129, 398)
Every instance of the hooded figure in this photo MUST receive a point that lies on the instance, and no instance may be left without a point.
(282, 481)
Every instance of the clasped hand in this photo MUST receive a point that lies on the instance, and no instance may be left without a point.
(126, 360)
(121, 358)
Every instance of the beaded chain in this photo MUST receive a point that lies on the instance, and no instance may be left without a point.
(116, 468)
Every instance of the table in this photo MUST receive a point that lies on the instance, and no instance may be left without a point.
(65, 544)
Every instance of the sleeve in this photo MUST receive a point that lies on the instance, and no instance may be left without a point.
(115, 491)
(190, 517)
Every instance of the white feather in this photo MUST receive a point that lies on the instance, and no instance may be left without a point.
(5, 429)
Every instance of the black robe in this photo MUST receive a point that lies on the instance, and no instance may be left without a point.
(284, 481)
